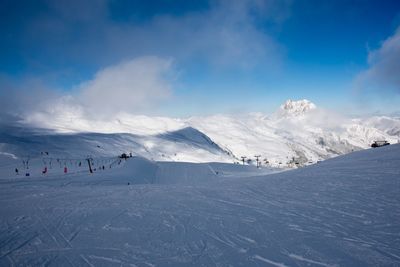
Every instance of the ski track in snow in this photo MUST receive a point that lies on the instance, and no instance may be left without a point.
(270, 262)
(341, 212)
(301, 258)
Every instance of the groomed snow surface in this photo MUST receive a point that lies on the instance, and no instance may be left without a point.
(340, 212)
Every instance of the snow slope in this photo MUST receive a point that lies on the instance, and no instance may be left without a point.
(340, 212)
(298, 132)
(185, 144)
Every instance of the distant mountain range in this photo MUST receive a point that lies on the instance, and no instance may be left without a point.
(299, 133)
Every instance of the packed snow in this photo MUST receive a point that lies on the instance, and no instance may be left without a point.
(340, 212)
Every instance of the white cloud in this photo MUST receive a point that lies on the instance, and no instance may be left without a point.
(18, 99)
(227, 33)
(383, 73)
(135, 86)
(59, 113)
(130, 86)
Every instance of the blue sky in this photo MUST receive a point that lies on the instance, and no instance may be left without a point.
(182, 58)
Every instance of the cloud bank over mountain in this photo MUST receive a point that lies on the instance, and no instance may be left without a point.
(129, 86)
(383, 73)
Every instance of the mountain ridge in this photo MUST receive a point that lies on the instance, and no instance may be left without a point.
(298, 132)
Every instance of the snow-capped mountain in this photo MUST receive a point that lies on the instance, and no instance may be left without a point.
(298, 133)
(389, 125)
(296, 108)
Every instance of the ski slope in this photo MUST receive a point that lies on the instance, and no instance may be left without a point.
(340, 212)
(186, 144)
(299, 131)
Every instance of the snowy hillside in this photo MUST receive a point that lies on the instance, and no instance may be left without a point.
(389, 125)
(298, 130)
(341, 212)
(299, 133)
(185, 144)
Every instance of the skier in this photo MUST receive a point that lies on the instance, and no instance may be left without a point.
(44, 170)
(65, 169)
(16, 171)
